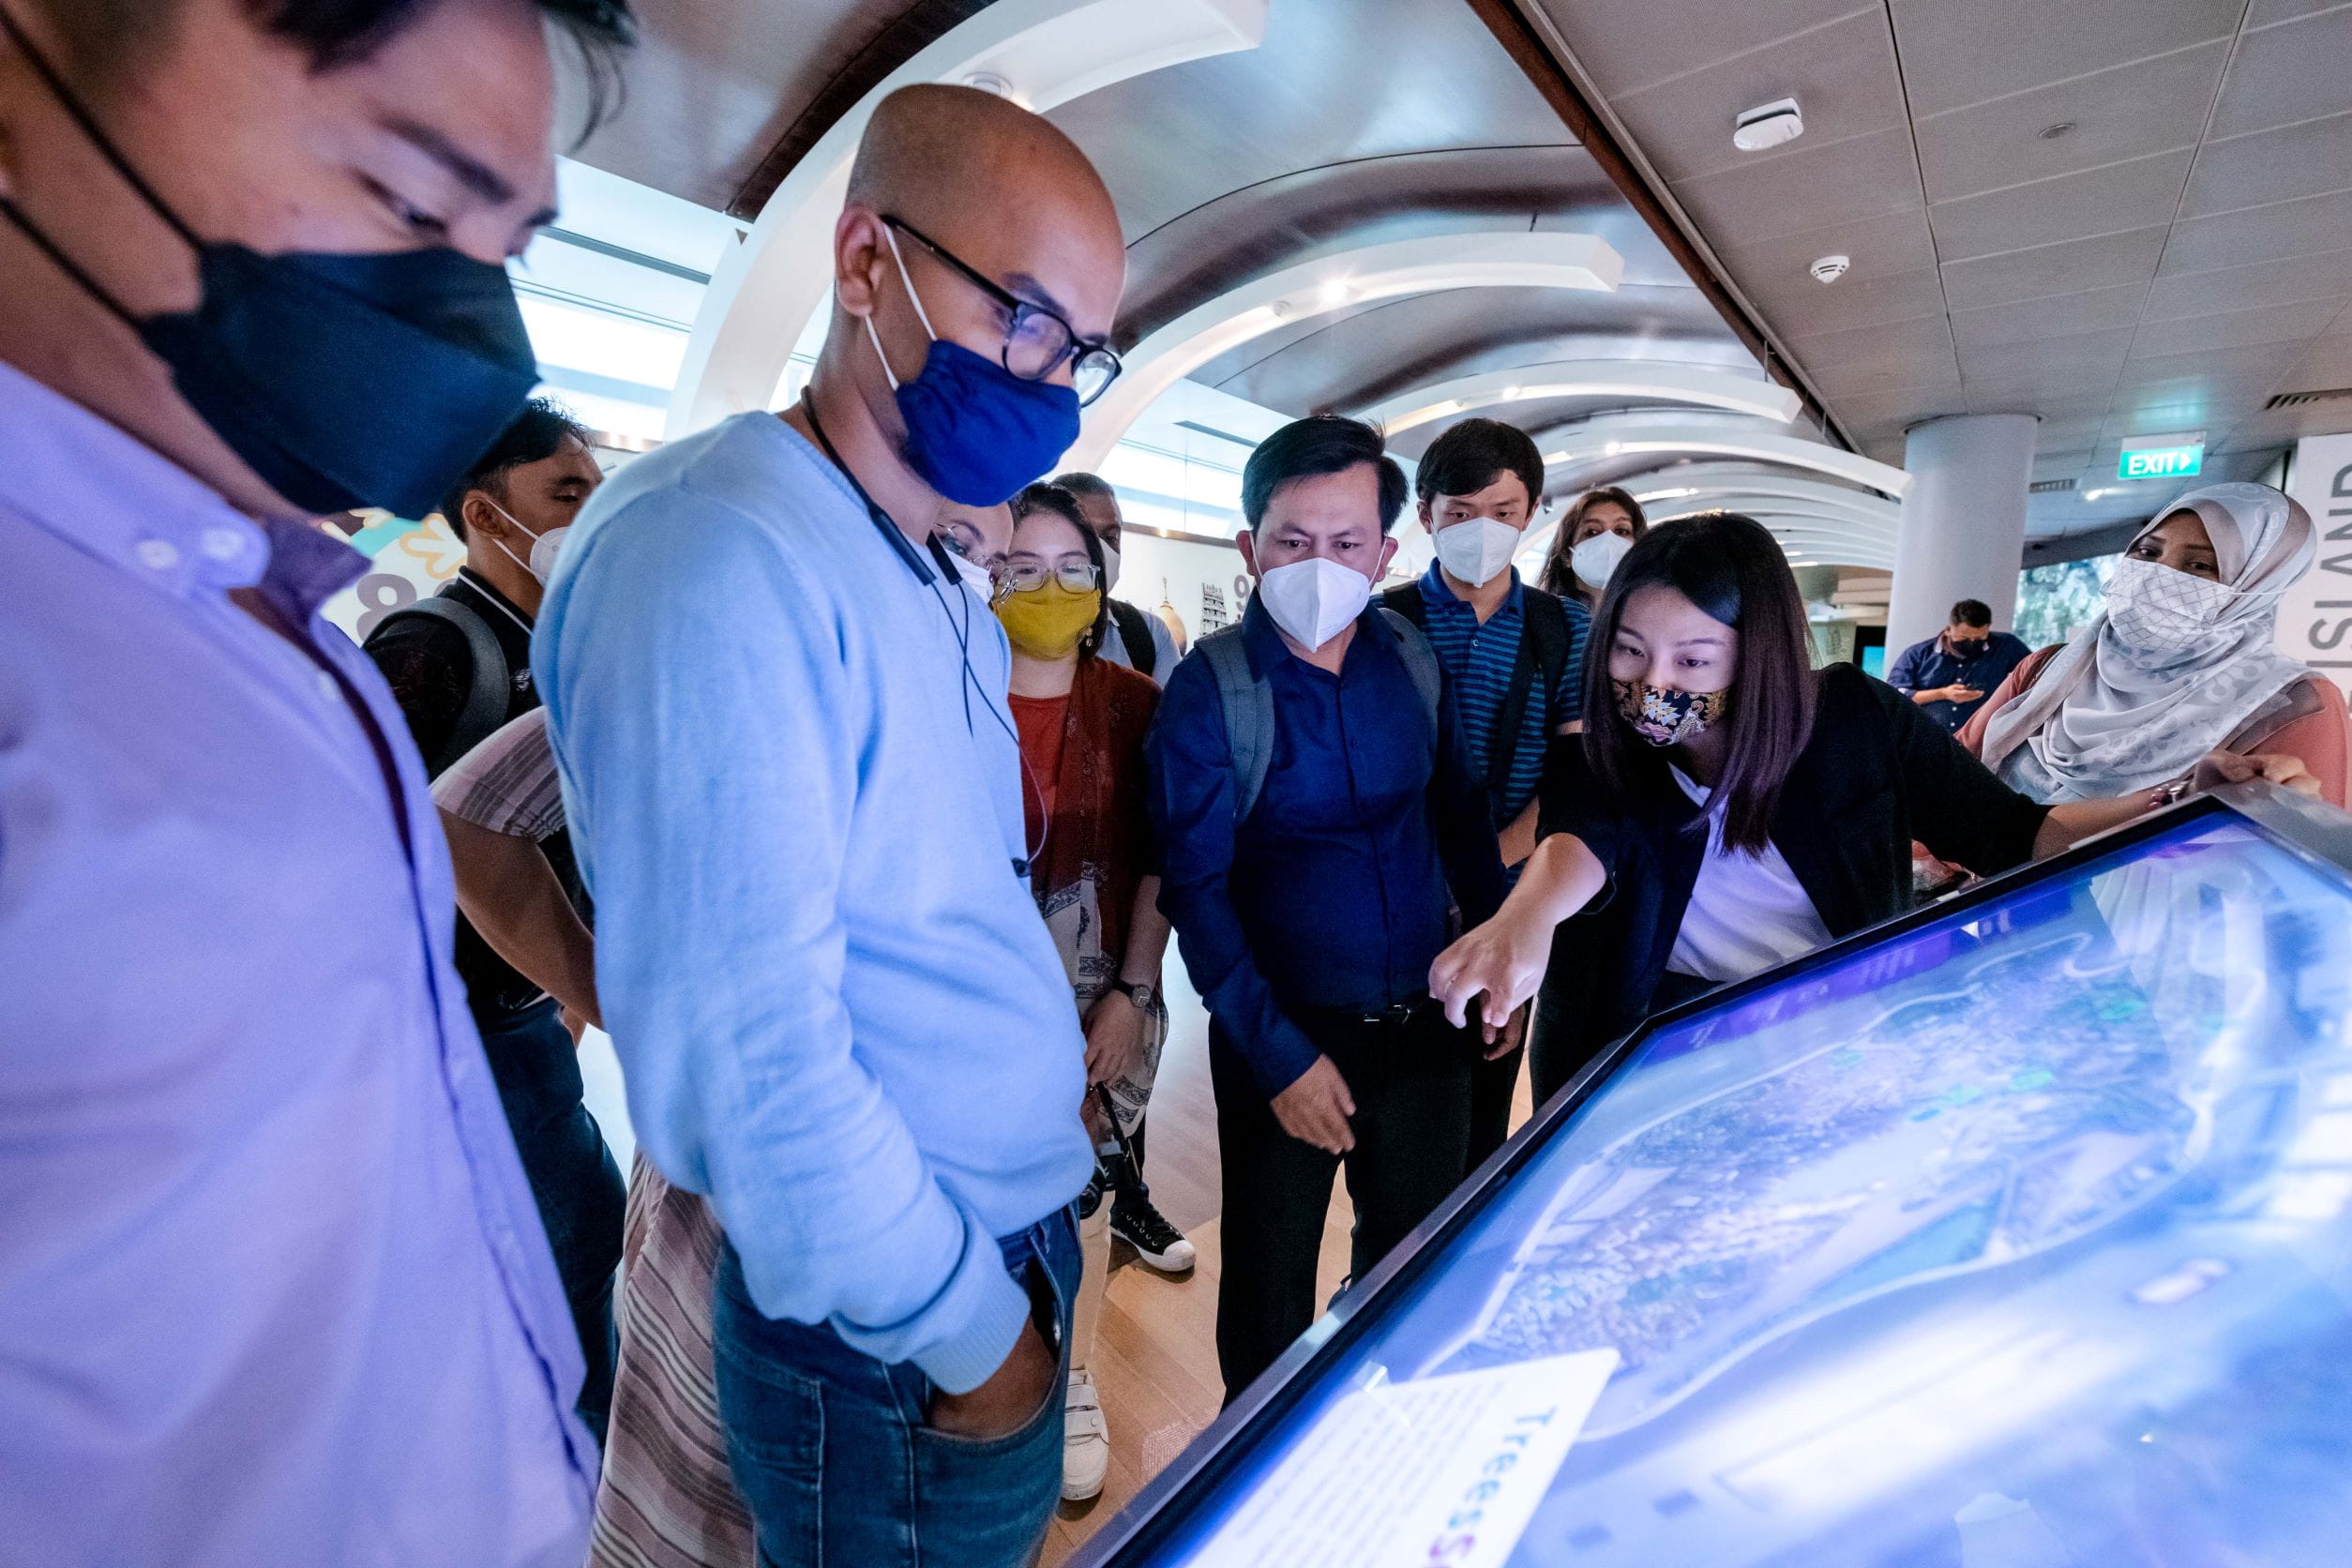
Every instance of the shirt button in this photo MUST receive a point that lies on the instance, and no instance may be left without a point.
(157, 555)
(223, 544)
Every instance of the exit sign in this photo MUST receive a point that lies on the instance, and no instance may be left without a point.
(2161, 456)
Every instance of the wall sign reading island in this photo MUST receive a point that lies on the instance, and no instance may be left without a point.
(2161, 456)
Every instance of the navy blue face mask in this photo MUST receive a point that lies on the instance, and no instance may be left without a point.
(976, 431)
(342, 381)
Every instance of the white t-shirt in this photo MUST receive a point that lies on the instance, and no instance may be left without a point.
(1747, 912)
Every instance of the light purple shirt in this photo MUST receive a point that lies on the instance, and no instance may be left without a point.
(272, 1287)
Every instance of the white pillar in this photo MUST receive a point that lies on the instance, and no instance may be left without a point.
(1963, 535)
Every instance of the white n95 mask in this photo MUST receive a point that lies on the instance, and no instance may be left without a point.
(1315, 599)
(545, 547)
(1111, 567)
(1478, 550)
(1596, 558)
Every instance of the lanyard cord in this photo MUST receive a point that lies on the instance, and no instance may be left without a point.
(907, 552)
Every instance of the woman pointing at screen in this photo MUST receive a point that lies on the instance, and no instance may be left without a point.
(1729, 807)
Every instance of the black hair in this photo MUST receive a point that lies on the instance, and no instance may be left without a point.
(100, 34)
(1971, 612)
(1052, 495)
(1319, 445)
(1474, 455)
(1087, 487)
(536, 435)
(1560, 573)
(1733, 570)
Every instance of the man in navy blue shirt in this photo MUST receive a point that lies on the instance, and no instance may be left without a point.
(1952, 673)
(1311, 892)
(1514, 657)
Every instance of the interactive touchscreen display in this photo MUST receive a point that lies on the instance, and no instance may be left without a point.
(2017, 1241)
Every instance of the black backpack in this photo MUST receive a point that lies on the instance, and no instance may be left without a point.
(1543, 652)
(487, 702)
(1134, 630)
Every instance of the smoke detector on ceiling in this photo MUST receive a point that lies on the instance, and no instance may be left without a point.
(1829, 269)
(1768, 125)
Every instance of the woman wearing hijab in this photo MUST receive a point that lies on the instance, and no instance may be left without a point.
(2181, 664)
(1082, 720)
(1601, 526)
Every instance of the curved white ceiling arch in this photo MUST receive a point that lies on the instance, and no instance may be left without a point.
(1630, 378)
(1597, 442)
(1044, 53)
(1762, 490)
(1511, 258)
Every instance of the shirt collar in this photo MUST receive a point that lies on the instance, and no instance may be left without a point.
(1263, 641)
(109, 494)
(1436, 592)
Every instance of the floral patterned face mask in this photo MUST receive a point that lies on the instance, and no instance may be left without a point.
(1667, 716)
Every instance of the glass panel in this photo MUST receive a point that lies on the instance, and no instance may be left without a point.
(2016, 1241)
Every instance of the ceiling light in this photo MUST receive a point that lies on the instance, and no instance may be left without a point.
(1829, 269)
(1334, 293)
(1768, 125)
(2095, 494)
(1610, 449)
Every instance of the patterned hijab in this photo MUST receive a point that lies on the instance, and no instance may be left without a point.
(2173, 665)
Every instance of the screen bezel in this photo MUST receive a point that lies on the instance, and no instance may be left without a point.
(2313, 832)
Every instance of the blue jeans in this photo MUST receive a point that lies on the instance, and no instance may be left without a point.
(831, 1448)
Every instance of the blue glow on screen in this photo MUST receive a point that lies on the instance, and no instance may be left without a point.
(2027, 1226)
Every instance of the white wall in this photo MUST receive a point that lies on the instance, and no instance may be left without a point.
(2315, 616)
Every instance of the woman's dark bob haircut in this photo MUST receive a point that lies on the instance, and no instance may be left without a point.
(1733, 570)
(1063, 502)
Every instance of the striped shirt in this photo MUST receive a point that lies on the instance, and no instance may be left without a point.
(507, 784)
(1480, 662)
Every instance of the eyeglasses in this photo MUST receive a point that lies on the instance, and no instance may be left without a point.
(1076, 576)
(1039, 340)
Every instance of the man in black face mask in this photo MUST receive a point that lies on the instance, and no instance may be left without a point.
(1952, 673)
(250, 270)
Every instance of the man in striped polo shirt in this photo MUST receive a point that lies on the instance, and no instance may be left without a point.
(1512, 654)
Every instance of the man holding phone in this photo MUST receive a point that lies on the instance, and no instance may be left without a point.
(1951, 673)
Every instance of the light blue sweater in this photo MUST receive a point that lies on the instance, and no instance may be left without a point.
(837, 1009)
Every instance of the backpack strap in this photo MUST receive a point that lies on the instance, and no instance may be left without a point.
(1249, 715)
(1542, 659)
(486, 704)
(1142, 655)
(1420, 663)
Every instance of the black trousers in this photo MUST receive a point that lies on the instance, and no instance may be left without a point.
(1410, 1078)
(1492, 1084)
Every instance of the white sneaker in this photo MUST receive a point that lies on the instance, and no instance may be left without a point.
(1085, 1439)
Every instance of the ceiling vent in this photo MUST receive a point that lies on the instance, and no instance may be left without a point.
(2304, 399)
(2049, 487)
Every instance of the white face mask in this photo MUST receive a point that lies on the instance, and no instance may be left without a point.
(1477, 550)
(1111, 567)
(1596, 558)
(545, 547)
(1315, 599)
(2154, 609)
(975, 577)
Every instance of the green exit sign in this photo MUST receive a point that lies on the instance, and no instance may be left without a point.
(2161, 456)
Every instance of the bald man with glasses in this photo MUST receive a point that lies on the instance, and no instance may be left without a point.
(782, 722)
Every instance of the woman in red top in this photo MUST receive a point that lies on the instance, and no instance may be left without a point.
(1082, 721)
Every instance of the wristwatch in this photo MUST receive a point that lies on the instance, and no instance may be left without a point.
(1140, 994)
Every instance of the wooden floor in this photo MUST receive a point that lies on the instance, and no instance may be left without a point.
(1155, 1360)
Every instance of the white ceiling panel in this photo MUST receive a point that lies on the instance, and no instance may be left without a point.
(2269, 166)
(1866, 176)
(1843, 75)
(1963, 52)
(1880, 247)
(2069, 266)
(2324, 277)
(2134, 194)
(2298, 70)
(2303, 227)
(1630, 44)
(2049, 318)
(1797, 304)
(2147, 106)
(1898, 356)
(2095, 355)
(2232, 329)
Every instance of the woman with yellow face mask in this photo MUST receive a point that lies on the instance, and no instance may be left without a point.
(1082, 721)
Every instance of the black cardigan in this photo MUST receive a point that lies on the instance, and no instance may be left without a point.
(1875, 774)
